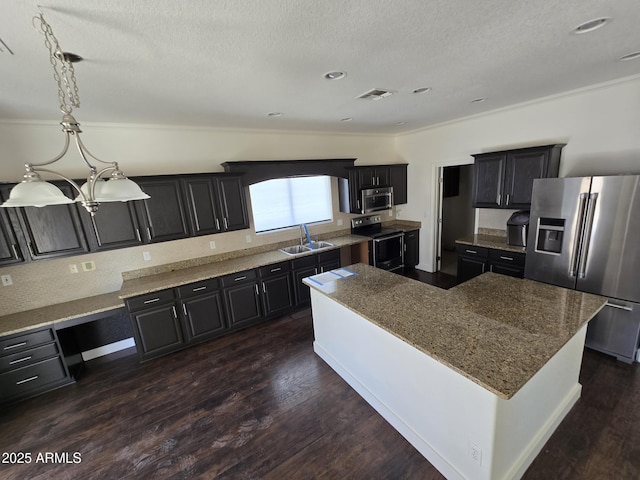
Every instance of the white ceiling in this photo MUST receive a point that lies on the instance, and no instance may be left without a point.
(228, 63)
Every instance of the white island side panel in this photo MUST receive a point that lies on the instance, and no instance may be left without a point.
(439, 411)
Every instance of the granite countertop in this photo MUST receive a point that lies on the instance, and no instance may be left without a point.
(58, 313)
(497, 331)
(490, 241)
(153, 283)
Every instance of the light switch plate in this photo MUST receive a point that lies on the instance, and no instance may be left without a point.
(89, 266)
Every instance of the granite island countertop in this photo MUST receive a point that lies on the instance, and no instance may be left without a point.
(490, 241)
(498, 331)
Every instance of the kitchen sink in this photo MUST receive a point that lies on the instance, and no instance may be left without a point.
(300, 249)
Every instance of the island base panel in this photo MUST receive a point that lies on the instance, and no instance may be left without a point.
(439, 411)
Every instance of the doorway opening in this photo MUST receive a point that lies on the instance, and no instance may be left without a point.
(456, 218)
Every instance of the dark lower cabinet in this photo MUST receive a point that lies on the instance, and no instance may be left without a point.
(203, 310)
(311, 265)
(328, 260)
(157, 330)
(278, 296)
(474, 261)
(31, 363)
(241, 298)
(411, 249)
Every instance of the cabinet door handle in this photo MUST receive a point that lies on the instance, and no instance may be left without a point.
(138, 234)
(13, 362)
(175, 314)
(184, 309)
(621, 307)
(30, 246)
(16, 345)
(15, 250)
(499, 198)
(507, 199)
(506, 258)
(255, 287)
(237, 279)
(27, 380)
(405, 247)
(226, 223)
(153, 300)
(264, 289)
(217, 224)
(199, 289)
(471, 251)
(149, 232)
(316, 270)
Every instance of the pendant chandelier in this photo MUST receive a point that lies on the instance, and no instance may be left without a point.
(35, 192)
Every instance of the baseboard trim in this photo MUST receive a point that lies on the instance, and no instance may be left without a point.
(107, 349)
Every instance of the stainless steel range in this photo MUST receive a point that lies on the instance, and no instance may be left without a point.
(386, 248)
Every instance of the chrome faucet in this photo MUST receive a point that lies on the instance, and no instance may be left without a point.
(301, 234)
(304, 232)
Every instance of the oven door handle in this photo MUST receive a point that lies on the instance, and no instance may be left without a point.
(395, 235)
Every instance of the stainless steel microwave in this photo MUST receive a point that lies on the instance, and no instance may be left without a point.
(376, 199)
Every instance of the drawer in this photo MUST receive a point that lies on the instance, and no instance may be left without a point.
(275, 269)
(10, 345)
(411, 234)
(26, 380)
(236, 278)
(504, 256)
(471, 250)
(27, 357)
(199, 288)
(149, 300)
(330, 256)
(304, 262)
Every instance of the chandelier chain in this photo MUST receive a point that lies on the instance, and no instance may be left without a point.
(63, 73)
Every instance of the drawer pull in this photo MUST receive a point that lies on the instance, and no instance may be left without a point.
(153, 300)
(13, 362)
(237, 279)
(199, 288)
(506, 258)
(21, 344)
(471, 251)
(276, 269)
(27, 380)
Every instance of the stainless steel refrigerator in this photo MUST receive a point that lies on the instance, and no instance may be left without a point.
(584, 234)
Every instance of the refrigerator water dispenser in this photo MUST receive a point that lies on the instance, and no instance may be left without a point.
(549, 235)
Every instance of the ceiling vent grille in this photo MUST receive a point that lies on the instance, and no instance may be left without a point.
(376, 94)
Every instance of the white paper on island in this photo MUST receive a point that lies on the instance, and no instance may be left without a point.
(325, 281)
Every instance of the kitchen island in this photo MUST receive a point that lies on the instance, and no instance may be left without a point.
(477, 378)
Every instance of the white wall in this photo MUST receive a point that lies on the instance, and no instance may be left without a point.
(600, 126)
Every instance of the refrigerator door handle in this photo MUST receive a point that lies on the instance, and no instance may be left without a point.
(575, 254)
(621, 307)
(584, 251)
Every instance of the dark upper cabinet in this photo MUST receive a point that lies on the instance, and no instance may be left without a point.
(370, 177)
(398, 180)
(202, 205)
(411, 249)
(505, 179)
(215, 203)
(10, 251)
(164, 215)
(114, 225)
(233, 204)
(52, 231)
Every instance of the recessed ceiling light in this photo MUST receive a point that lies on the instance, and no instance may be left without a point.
(401, 123)
(274, 114)
(346, 119)
(422, 90)
(591, 25)
(335, 75)
(629, 56)
(479, 100)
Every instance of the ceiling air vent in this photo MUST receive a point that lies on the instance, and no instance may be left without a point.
(376, 94)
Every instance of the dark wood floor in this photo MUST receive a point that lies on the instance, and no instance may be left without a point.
(259, 404)
(438, 279)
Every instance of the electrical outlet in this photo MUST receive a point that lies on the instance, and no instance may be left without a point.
(146, 256)
(89, 266)
(6, 280)
(73, 268)
(475, 452)
(212, 245)
(248, 238)
(339, 222)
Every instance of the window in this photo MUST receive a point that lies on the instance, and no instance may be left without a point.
(285, 202)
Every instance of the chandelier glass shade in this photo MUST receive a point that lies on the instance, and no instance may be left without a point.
(33, 191)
